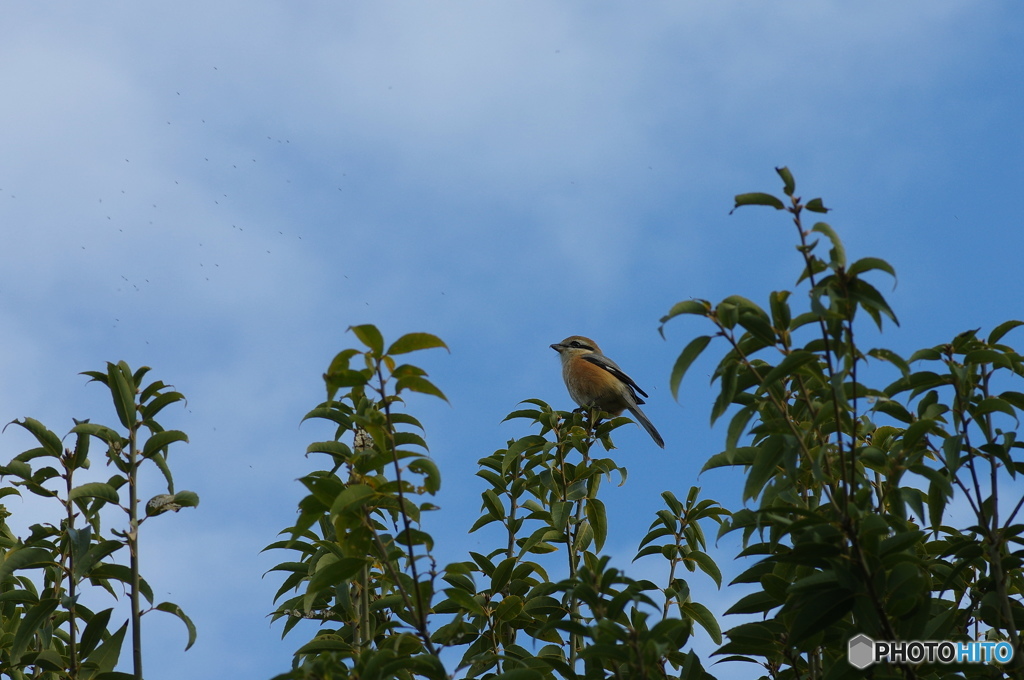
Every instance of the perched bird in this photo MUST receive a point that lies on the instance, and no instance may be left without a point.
(595, 380)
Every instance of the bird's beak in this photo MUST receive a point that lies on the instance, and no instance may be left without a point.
(557, 347)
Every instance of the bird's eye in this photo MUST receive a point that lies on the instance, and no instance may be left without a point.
(575, 343)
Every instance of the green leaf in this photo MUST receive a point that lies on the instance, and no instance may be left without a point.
(492, 502)
(758, 198)
(94, 631)
(707, 565)
(187, 499)
(369, 336)
(95, 490)
(122, 392)
(430, 472)
(30, 623)
(992, 405)
(172, 608)
(332, 574)
(106, 656)
(893, 358)
(789, 365)
(829, 606)
(838, 252)
(151, 409)
(161, 440)
(161, 503)
(987, 356)
(509, 608)
(598, 518)
(1002, 329)
(816, 205)
(413, 342)
(341, 360)
(868, 263)
(93, 556)
(24, 558)
(161, 464)
(698, 307)
(781, 315)
(872, 301)
(353, 496)
(101, 432)
(45, 437)
(418, 384)
(686, 358)
(561, 511)
(502, 574)
(789, 186)
(465, 600)
(704, 617)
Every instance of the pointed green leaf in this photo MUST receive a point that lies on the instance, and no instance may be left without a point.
(24, 558)
(106, 656)
(94, 632)
(99, 490)
(987, 356)
(992, 405)
(689, 354)
(816, 205)
(353, 496)
(187, 499)
(94, 555)
(430, 472)
(789, 186)
(830, 606)
(758, 198)
(101, 432)
(868, 263)
(161, 440)
(781, 316)
(789, 365)
(509, 608)
(164, 468)
(123, 394)
(369, 336)
(704, 617)
(172, 608)
(421, 385)
(48, 440)
(151, 409)
(707, 565)
(838, 252)
(698, 307)
(598, 518)
(561, 511)
(413, 342)
(1002, 329)
(29, 625)
(332, 574)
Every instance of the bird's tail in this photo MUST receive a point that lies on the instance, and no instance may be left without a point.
(647, 425)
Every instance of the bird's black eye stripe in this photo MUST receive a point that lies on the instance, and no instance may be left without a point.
(579, 345)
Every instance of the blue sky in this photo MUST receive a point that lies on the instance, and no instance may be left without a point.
(219, 190)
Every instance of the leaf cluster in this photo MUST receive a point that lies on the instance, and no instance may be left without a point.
(363, 568)
(45, 630)
(852, 482)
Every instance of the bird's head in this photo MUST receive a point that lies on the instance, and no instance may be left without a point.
(576, 345)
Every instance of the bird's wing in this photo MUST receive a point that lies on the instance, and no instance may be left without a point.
(613, 368)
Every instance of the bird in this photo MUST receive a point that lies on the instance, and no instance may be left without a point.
(594, 380)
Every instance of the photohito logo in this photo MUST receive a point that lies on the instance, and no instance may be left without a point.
(862, 651)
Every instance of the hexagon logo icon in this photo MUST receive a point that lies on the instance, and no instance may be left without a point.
(860, 651)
